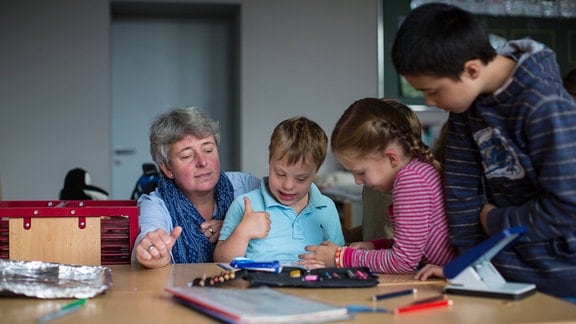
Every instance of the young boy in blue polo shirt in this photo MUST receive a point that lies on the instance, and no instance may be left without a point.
(288, 212)
(510, 149)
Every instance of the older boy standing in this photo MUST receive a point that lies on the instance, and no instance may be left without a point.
(510, 152)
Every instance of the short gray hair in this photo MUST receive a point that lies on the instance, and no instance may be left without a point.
(171, 127)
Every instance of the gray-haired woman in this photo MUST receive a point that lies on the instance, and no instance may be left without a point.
(181, 220)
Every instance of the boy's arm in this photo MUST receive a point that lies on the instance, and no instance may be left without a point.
(229, 246)
(551, 147)
(463, 186)
(242, 224)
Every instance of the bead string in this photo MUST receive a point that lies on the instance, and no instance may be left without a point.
(211, 281)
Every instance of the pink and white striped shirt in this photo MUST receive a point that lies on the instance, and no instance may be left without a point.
(419, 222)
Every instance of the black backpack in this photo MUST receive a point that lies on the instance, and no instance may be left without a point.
(147, 182)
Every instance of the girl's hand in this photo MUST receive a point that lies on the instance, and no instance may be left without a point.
(323, 253)
(362, 245)
(311, 264)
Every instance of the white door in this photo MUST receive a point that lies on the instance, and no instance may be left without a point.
(159, 63)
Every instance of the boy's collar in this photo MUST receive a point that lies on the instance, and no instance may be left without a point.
(515, 56)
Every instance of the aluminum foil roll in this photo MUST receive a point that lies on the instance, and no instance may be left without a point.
(52, 280)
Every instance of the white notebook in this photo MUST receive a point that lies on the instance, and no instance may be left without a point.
(256, 305)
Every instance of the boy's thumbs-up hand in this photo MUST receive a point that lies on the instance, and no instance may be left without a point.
(256, 224)
(247, 205)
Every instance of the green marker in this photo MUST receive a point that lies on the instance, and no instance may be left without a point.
(64, 310)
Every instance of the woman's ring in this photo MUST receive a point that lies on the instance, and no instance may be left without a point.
(150, 247)
(211, 230)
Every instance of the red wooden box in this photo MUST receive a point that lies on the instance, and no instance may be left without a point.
(67, 230)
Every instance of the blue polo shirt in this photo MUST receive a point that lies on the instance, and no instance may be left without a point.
(290, 233)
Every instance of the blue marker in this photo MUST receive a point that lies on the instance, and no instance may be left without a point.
(394, 294)
(245, 263)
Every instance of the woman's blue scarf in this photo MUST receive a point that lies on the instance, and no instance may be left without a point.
(193, 246)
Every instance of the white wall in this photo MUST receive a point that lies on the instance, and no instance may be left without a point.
(303, 57)
(54, 95)
(298, 57)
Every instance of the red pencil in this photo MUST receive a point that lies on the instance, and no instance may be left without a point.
(423, 306)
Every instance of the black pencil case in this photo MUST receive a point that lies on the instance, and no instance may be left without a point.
(356, 277)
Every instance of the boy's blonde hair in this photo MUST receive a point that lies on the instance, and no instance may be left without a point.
(299, 139)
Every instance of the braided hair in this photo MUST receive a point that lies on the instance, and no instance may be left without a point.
(370, 125)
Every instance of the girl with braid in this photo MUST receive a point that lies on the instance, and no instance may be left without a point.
(380, 142)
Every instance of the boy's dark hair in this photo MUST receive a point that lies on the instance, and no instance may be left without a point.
(569, 82)
(437, 39)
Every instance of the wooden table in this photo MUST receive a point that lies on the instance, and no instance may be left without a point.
(138, 296)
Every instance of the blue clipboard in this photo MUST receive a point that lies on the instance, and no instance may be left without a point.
(473, 273)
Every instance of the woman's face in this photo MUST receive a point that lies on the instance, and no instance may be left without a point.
(194, 164)
(290, 184)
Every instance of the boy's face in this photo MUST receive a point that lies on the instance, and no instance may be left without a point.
(290, 184)
(445, 93)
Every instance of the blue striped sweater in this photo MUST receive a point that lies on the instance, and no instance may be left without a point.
(517, 150)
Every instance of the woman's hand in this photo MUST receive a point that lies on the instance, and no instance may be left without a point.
(211, 229)
(153, 251)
